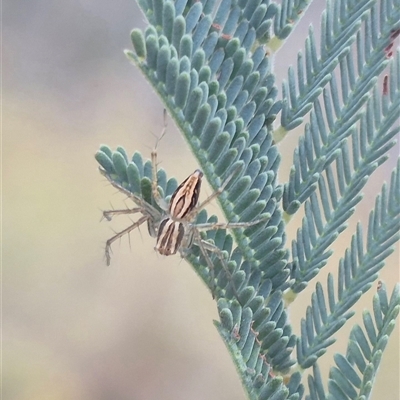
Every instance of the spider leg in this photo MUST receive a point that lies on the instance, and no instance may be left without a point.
(215, 194)
(148, 208)
(205, 246)
(193, 236)
(154, 185)
(199, 242)
(109, 214)
(135, 198)
(227, 225)
(120, 234)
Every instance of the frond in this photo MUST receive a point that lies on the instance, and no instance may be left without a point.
(340, 27)
(358, 75)
(315, 385)
(327, 213)
(217, 85)
(257, 375)
(358, 269)
(354, 374)
(220, 92)
(259, 300)
(288, 14)
(207, 61)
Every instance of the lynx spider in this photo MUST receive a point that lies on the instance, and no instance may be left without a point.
(174, 228)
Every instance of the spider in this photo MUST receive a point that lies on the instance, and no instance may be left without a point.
(174, 227)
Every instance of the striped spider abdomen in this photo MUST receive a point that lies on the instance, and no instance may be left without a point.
(169, 237)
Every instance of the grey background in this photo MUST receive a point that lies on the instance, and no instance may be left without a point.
(142, 328)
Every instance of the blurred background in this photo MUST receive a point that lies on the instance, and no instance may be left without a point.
(141, 328)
